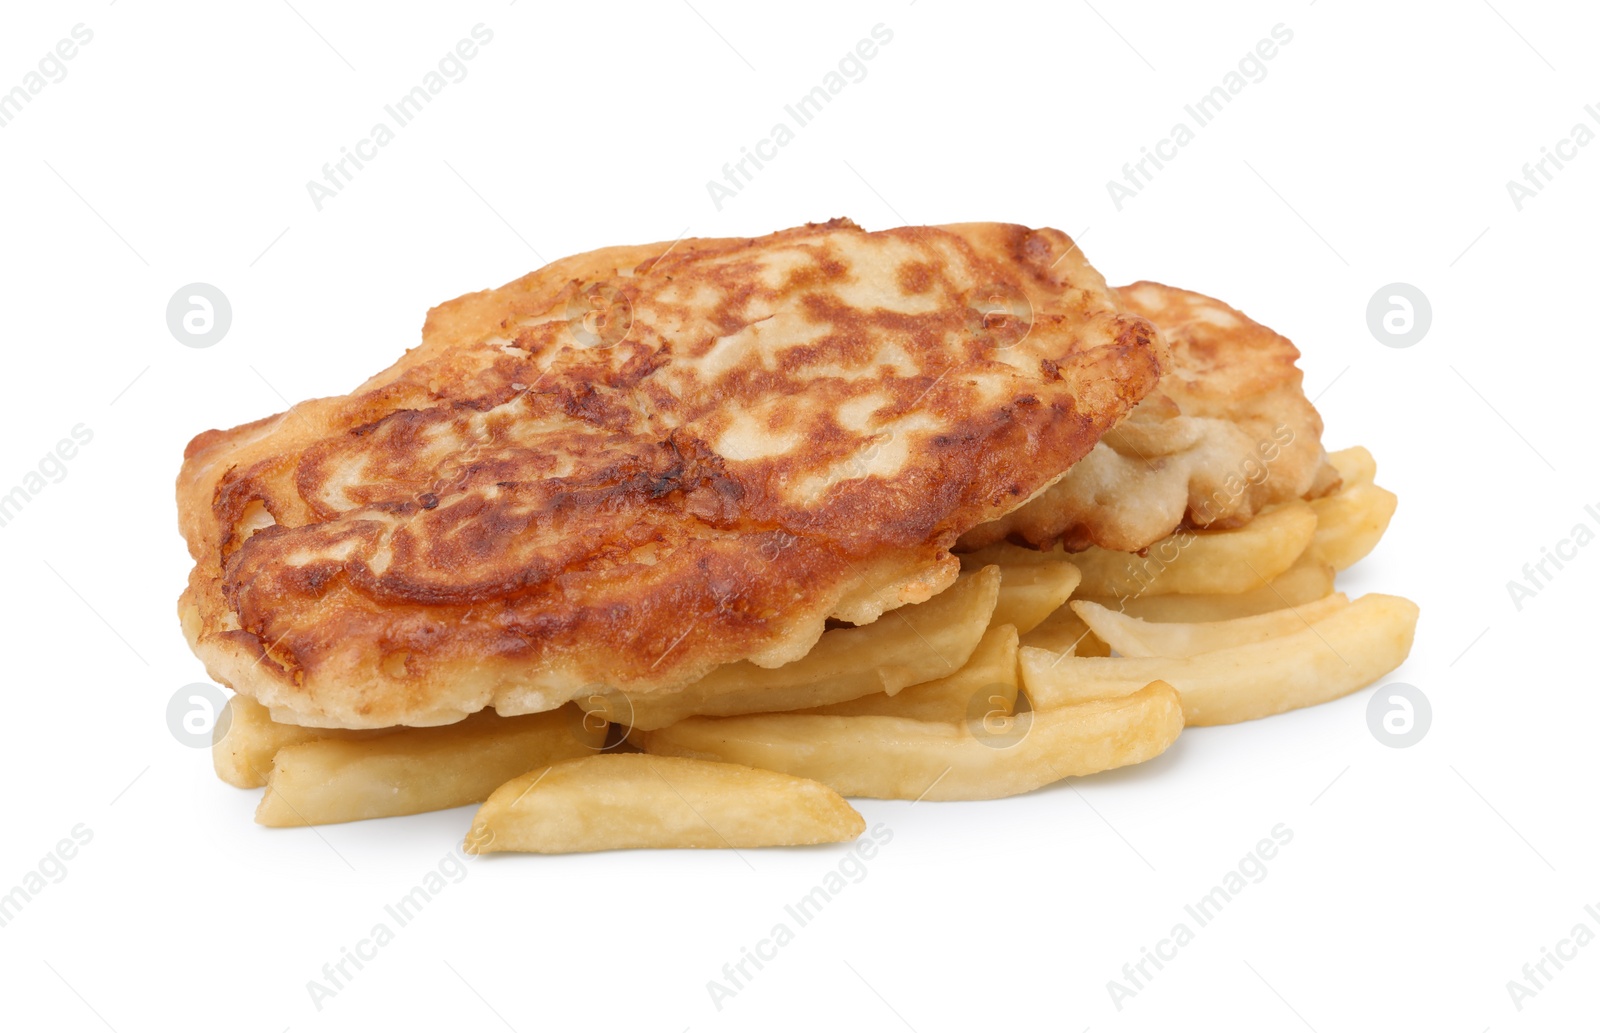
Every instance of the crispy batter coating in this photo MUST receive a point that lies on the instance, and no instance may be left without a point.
(633, 465)
(1228, 431)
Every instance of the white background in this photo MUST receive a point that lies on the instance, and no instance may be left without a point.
(1376, 149)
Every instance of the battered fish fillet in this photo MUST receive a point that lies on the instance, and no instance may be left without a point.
(1228, 431)
(633, 465)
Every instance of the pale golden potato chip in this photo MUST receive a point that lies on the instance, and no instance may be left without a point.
(1064, 631)
(992, 756)
(1345, 650)
(628, 801)
(1308, 580)
(1350, 522)
(248, 738)
(1030, 593)
(1186, 562)
(1195, 562)
(418, 769)
(1130, 636)
(992, 671)
(1355, 466)
(908, 646)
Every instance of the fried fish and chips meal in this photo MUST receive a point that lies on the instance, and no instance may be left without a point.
(678, 545)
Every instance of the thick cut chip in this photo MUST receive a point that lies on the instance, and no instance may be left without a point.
(1227, 433)
(1350, 522)
(989, 676)
(1184, 563)
(638, 464)
(900, 759)
(247, 739)
(1065, 632)
(1130, 636)
(1031, 593)
(1308, 580)
(1355, 465)
(1195, 562)
(418, 769)
(915, 644)
(628, 801)
(1345, 650)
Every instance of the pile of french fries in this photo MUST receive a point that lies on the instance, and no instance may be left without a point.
(1033, 667)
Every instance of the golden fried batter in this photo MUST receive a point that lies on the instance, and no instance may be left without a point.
(1227, 431)
(634, 465)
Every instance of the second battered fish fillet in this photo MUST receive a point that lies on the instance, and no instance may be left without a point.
(631, 466)
(1228, 431)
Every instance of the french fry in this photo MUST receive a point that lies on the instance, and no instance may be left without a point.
(412, 770)
(992, 669)
(1029, 594)
(1308, 580)
(900, 759)
(1185, 562)
(1355, 466)
(1345, 650)
(1194, 562)
(908, 646)
(629, 801)
(1065, 631)
(1350, 522)
(248, 738)
(1133, 637)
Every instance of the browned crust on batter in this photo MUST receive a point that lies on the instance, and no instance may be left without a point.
(517, 511)
(1227, 431)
